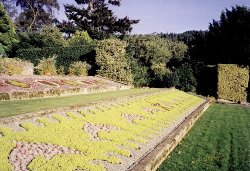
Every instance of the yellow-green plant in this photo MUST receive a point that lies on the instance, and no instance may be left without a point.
(18, 83)
(150, 114)
(46, 66)
(12, 66)
(79, 68)
(111, 58)
(232, 82)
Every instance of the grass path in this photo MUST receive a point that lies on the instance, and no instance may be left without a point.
(220, 140)
(16, 107)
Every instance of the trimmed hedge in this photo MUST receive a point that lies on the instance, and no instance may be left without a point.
(232, 82)
(65, 55)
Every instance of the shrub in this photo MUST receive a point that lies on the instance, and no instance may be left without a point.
(111, 58)
(46, 66)
(232, 82)
(65, 55)
(183, 78)
(80, 38)
(79, 69)
(12, 66)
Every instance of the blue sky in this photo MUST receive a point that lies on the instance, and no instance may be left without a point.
(170, 15)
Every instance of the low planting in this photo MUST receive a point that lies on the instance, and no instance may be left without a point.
(84, 140)
(37, 86)
(218, 141)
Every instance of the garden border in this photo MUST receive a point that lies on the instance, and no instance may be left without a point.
(159, 154)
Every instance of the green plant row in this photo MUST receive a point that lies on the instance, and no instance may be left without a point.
(123, 124)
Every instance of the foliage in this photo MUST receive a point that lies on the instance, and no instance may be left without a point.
(46, 66)
(232, 82)
(2, 52)
(79, 69)
(10, 7)
(12, 66)
(76, 131)
(229, 38)
(35, 14)
(96, 18)
(48, 37)
(218, 141)
(153, 54)
(111, 58)
(65, 55)
(183, 78)
(53, 37)
(140, 73)
(80, 38)
(8, 35)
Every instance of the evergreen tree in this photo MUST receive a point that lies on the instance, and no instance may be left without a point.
(229, 39)
(95, 17)
(8, 35)
(10, 8)
(35, 14)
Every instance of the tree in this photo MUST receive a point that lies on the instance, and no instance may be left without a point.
(10, 8)
(95, 17)
(150, 55)
(8, 35)
(229, 39)
(35, 14)
(48, 37)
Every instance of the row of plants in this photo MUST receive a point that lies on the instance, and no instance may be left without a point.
(37, 87)
(76, 141)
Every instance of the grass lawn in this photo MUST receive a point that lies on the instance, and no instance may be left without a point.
(15, 107)
(220, 140)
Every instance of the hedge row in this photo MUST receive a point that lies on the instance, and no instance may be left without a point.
(65, 55)
(232, 82)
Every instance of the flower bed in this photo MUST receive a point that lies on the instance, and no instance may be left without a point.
(109, 137)
(12, 87)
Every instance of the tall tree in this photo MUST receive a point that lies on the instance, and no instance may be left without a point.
(95, 17)
(10, 8)
(8, 35)
(35, 14)
(229, 39)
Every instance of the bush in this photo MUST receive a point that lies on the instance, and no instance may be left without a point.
(80, 38)
(111, 58)
(12, 66)
(65, 55)
(79, 69)
(46, 66)
(183, 79)
(232, 82)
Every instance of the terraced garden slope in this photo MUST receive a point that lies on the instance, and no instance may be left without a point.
(220, 140)
(108, 137)
(30, 87)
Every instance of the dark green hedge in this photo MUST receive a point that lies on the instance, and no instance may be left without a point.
(65, 55)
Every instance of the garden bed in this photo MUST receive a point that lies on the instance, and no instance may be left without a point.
(113, 136)
(28, 87)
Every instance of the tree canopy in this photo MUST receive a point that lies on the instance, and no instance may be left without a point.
(96, 17)
(228, 40)
(8, 35)
(35, 14)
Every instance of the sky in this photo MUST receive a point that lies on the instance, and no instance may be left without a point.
(169, 15)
